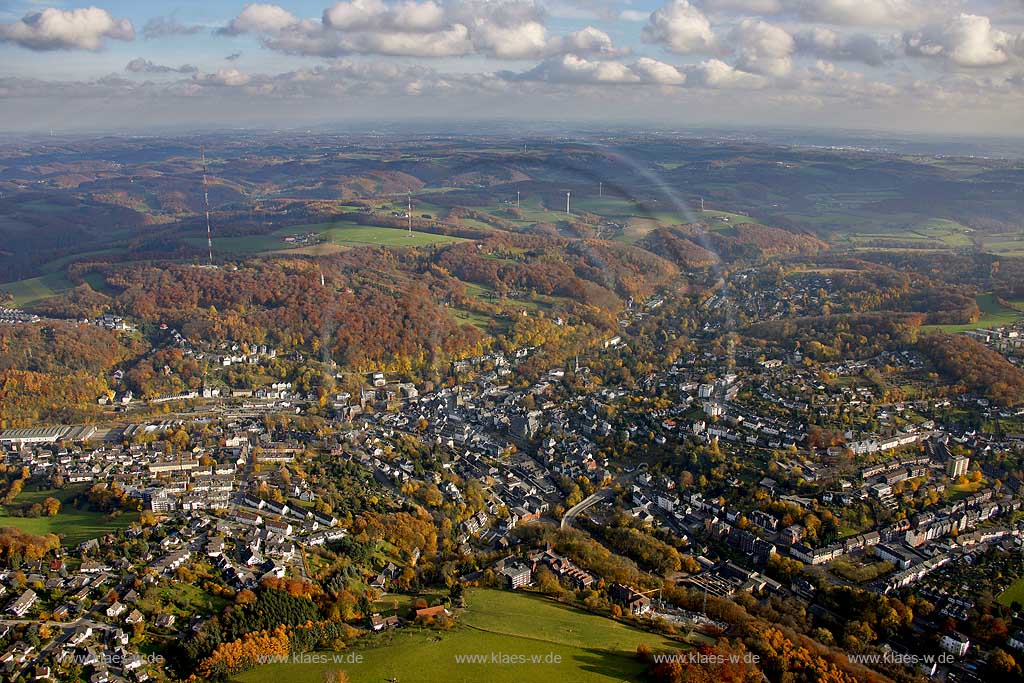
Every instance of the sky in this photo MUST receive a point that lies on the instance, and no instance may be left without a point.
(940, 66)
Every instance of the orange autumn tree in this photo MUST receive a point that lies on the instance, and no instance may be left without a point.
(248, 651)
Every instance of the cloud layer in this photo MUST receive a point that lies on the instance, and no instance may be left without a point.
(957, 55)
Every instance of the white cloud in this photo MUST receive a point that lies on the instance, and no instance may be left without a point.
(859, 47)
(683, 28)
(762, 48)
(587, 41)
(223, 78)
(261, 18)
(514, 41)
(862, 12)
(658, 72)
(575, 69)
(56, 29)
(751, 6)
(505, 29)
(833, 81)
(716, 74)
(633, 15)
(967, 40)
(363, 15)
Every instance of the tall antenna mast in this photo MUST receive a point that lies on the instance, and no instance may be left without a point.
(206, 201)
(567, 202)
(702, 205)
(517, 199)
(600, 189)
(409, 214)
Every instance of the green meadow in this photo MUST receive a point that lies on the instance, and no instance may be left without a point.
(72, 525)
(993, 314)
(554, 642)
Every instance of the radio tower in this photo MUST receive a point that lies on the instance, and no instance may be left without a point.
(409, 214)
(206, 201)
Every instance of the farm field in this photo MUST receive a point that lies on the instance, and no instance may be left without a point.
(994, 314)
(899, 231)
(590, 648)
(1010, 246)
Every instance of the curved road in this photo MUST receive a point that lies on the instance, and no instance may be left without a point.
(585, 504)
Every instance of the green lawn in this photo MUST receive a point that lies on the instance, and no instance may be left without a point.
(949, 232)
(464, 316)
(712, 217)
(993, 313)
(1014, 593)
(36, 288)
(354, 234)
(249, 244)
(341, 233)
(188, 599)
(588, 648)
(73, 526)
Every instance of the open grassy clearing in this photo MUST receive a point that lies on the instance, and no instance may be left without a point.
(484, 293)
(354, 234)
(73, 526)
(715, 218)
(34, 289)
(1015, 593)
(636, 229)
(588, 648)
(1005, 245)
(949, 232)
(337, 235)
(481, 321)
(993, 314)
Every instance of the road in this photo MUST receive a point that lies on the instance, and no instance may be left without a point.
(586, 503)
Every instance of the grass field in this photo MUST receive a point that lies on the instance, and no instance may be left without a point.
(589, 648)
(249, 244)
(36, 288)
(480, 321)
(993, 314)
(869, 230)
(712, 218)
(337, 235)
(1015, 593)
(73, 526)
(354, 234)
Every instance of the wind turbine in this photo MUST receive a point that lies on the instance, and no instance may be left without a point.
(567, 194)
